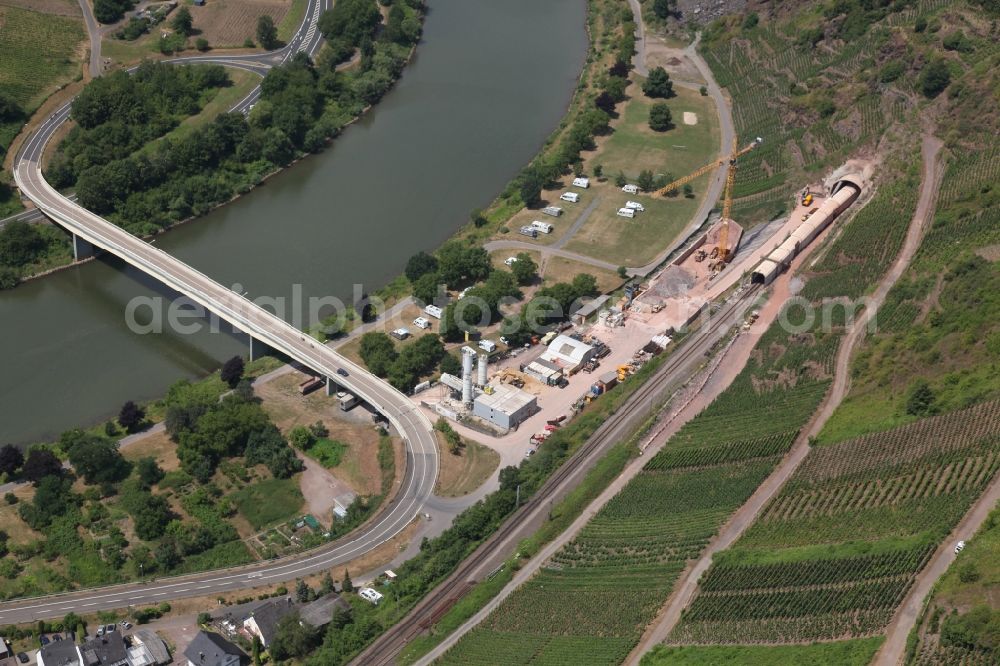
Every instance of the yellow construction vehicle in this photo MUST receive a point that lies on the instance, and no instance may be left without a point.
(722, 249)
(807, 197)
(623, 371)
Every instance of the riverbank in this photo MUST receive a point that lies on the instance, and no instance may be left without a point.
(244, 170)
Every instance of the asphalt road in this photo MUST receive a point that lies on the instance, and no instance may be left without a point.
(409, 421)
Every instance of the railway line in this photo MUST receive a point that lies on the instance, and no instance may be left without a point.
(491, 554)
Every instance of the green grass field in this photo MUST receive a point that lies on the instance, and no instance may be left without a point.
(843, 653)
(328, 452)
(267, 502)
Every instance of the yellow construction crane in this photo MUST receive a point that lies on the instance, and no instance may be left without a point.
(731, 160)
(727, 198)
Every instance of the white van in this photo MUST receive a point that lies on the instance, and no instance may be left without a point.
(571, 197)
(487, 346)
(433, 311)
(581, 182)
(626, 212)
(510, 261)
(421, 322)
(368, 594)
(544, 227)
(635, 205)
(631, 189)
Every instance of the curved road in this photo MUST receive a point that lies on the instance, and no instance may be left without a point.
(406, 418)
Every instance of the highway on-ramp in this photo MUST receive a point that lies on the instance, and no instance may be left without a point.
(403, 415)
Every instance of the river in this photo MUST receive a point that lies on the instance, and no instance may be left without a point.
(490, 81)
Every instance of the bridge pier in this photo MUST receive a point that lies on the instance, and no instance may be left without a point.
(82, 249)
(331, 387)
(258, 349)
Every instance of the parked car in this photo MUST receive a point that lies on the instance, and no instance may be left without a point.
(23, 657)
(342, 372)
(109, 628)
(44, 640)
(56, 638)
(960, 546)
(126, 624)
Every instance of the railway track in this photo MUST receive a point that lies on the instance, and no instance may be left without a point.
(492, 552)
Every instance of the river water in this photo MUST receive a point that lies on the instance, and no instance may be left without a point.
(491, 79)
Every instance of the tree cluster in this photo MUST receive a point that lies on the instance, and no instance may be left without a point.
(20, 244)
(95, 458)
(303, 105)
(548, 306)
(658, 84)
(403, 369)
(111, 11)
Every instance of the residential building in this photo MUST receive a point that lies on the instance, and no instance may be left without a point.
(318, 613)
(208, 649)
(153, 646)
(106, 650)
(263, 620)
(59, 653)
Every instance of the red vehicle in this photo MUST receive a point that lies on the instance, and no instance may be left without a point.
(551, 428)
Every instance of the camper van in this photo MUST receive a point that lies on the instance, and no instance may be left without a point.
(510, 261)
(433, 311)
(626, 212)
(400, 333)
(630, 189)
(528, 230)
(581, 182)
(554, 211)
(544, 227)
(421, 322)
(571, 197)
(635, 205)
(487, 346)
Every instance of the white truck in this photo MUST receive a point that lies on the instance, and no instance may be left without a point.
(487, 346)
(626, 212)
(422, 322)
(544, 227)
(571, 197)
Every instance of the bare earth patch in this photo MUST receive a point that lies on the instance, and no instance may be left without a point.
(463, 473)
(230, 22)
(288, 408)
(989, 252)
(690, 118)
(156, 445)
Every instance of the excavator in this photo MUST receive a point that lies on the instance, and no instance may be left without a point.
(721, 254)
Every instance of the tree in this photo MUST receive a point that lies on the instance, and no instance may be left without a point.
(347, 585)
(20, 243)
(688, 191)
(622, 272)
(255, 649)
(110, 11)
(461, 263)
(39, 464)
(201, 44)
(378, 352)
(525, 269)
(204, 618)
(148, 471)
(94, 457)
(645, 180)
(131, 416)
(934, 78)
(920, 401)
(303, 592)
(658, 84)
(663, 8)
(232, 371)
(529, 185)
(182, 21)
(267, 33)
(425, 289)
(9, 108)
(660, 117)
(419, 265)
(450, 364)
(620, 179)
(294, 638)
(11, 459)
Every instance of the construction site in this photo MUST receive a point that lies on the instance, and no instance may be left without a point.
(519, 397)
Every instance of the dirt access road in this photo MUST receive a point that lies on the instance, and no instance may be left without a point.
(687, 585)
